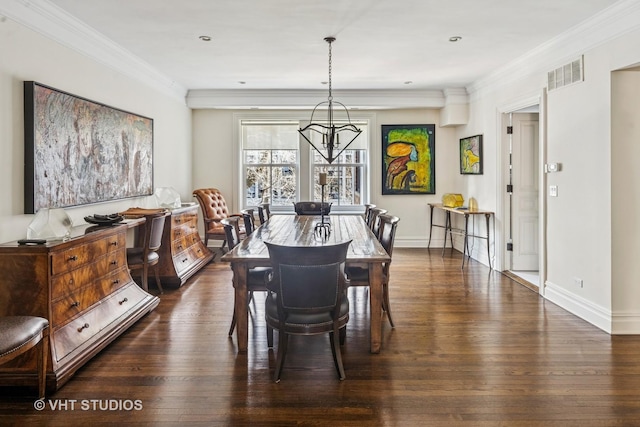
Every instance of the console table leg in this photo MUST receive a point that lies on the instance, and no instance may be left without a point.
(465, 249)
(488, 251)
(430, 225)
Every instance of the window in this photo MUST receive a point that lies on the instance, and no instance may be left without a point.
(270, 163)
(346, 177)
(278, 166)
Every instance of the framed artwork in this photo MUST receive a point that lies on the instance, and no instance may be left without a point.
(79, 152)
(408, 159)
(471, 155)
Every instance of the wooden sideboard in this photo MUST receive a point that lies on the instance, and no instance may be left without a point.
(183, 252)
(83, 286)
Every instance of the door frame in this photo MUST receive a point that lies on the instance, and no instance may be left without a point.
(502, 199)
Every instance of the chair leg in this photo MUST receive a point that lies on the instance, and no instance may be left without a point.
(386, 305)
(145, 275)
(269, 336)
(283, 342)
(233, 322)
(158, 283)
(43, 355)
(343, 335)
(337, 353)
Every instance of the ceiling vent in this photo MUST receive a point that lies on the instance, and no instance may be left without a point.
(566, 75)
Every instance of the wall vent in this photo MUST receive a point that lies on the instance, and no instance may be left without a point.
(568, 74)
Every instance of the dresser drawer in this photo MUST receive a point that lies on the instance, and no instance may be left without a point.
(70, 282)
(83, 298)
(183, 226)
(70, 259)
(182, 244)
(187, 258)
(105, 315)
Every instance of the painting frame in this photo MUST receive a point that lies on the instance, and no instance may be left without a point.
(408, 159)
(80, 152)
(471, 156)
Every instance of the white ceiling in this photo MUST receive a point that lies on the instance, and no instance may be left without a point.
(278, 44)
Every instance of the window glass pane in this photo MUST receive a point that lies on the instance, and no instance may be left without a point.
(283, 192)
(285, 156)
(345, 185)
(257, 156)
(257, 181)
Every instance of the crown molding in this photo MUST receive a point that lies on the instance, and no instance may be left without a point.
(613, 22)
(46, 18)
(307, 99)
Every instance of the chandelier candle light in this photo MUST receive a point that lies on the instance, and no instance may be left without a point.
(329, 130)
(322, 228)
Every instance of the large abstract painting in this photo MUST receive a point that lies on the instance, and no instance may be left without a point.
(80, 152)
(409, 162)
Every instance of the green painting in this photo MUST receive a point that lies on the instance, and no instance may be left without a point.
(409, 161)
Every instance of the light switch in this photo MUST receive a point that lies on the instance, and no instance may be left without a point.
(553, 191)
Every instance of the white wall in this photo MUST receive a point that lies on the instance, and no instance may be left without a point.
(214, 165)
(625, 198)
(26, 55)
(579, 221)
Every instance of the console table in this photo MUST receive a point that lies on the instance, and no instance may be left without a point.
(183, 252)
(466, 212)
(82, 286)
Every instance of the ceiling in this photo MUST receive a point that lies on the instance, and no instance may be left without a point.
(278, 44)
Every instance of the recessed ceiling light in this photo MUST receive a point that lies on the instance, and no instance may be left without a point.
(242, 82)
(408, 82)
(205, 38)
(454, 39)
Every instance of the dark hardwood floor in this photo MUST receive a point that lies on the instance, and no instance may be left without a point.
(470, 348)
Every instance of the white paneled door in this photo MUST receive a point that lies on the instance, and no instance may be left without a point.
(525, 178)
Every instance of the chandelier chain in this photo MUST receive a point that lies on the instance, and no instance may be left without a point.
(330, 96)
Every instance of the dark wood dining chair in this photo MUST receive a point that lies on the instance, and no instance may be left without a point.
(256, 280)
(373, 222)
(145, 256)
(249, 221)
(367, 212)
(312, 208)
(264, 212)
(307, 296)
(359, 275)
(19, 334)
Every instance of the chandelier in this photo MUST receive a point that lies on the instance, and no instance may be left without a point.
(328, 129)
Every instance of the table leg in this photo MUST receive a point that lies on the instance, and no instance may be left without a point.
(447, 227)
(241, 306)
(465, 249)
(488, 251)
(375, 301)
(430, 225)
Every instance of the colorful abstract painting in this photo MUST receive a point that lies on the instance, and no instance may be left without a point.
(409, 161)
(471, 155)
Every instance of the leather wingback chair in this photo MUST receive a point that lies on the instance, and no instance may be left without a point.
(307, 296)
(214, 208)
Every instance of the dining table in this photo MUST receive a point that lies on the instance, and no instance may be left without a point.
(308, 230)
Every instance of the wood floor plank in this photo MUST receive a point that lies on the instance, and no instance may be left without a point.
(471, 347)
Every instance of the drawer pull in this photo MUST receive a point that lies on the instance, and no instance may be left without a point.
(75, 304)
(115, 282)
(73, 258)
(114, 243)
(114, 262)
(179, 247)
(185, 260)
(85, 326)
(123, 301)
